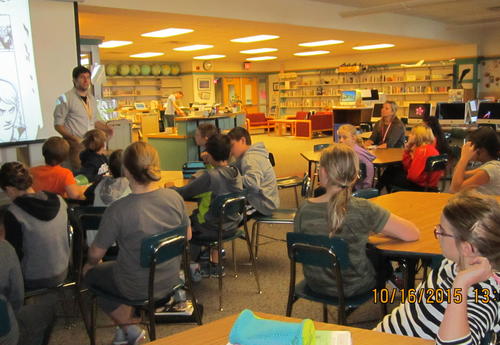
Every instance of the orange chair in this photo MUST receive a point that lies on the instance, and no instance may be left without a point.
(259, 121)
(319, 122)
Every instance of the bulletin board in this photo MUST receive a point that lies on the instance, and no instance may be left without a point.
(489, 75)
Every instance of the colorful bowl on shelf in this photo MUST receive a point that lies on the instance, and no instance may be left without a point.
(124, 70)
(156, 70)
(135, 69)
(175, 69)
(165, 70)
(145, 70)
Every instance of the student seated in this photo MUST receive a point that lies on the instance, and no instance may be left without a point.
(29, 324)
(52, 177)
(222, 179)
(258, 174)
(347, 135)
(389, 131)
(36, 224)
(466, 281)
(107, 189)
(483, 146)
(148, 210)
(412, 175)
(94, 162)
(337, 213)
(204, 132)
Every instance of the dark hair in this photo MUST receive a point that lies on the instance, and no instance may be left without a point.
(55, 150)
(115, 163)
(180, 93)
(79, 70)
(142, 162)
(441, 144)
(219, 147)
(207, 130)
(487, 138)
(15, 174)
(239, 132)
(94, 140)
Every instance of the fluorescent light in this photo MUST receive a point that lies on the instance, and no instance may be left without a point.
(374, 46)
(261, 58)
(209, 57)
(258, 51)
(146, 55)
(320, 43)
(114, 44)
(167, 32)
(315, 52)
(254, 38)
(193, 47)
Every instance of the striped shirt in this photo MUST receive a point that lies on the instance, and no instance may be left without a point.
(421, 319)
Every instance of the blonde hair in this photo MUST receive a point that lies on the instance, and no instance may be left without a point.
(423, 135)
(476, 219)
(342, 166)
(352, 131)
(94, 140)
(142, 162)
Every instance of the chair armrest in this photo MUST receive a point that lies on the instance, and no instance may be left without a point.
(290, 117)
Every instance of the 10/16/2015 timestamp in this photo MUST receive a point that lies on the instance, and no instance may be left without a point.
(428, 295)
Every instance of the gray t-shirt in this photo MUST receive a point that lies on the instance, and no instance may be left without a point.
(362, 218)
(71, 112)
(128, 221)
(492, 168)
(169, 106)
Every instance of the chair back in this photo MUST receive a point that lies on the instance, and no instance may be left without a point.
(365, 127)
(306, 186)
(436, 163)
(317, 250)
(164, 246)
(271, 159)
(362, 171)
(319, 147)
(366, 193)
(4, 318)
(227, 206)
(301, 115)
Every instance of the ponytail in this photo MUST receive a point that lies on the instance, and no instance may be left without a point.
(337, 209)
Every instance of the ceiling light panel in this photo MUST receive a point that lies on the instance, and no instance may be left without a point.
(374, 46)
(146, 55)
(258, 51)
(311, 53)
(167, 32)
(261, 58)
(193, 47)
(114, 44)
(256, 38)
(320, 43)
(209, 57)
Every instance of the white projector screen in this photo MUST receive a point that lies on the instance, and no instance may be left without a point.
(20, 110)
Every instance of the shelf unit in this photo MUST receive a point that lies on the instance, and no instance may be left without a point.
(404, 85)
(130, 89)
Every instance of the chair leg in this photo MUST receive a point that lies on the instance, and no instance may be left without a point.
(219, 271)
(296, 196)
(325, 313)
(189, 288)
(79, 299)
(233, 246)
(341, 315)
(93, 316)
(255, 237)
(151, 319)
(252, 258)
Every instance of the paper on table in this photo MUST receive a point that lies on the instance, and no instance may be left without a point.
(333, 338)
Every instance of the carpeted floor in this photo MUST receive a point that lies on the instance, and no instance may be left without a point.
(240, 292)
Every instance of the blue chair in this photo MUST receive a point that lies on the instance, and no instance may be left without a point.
(155, 250)
(231, 207)
(433, 164)
(366, 193)
(284, 182)
(5, 326)
(325, 252)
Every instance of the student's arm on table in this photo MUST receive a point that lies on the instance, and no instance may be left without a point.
(401, 228)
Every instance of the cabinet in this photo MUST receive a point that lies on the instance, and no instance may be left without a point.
(127, 90)
(319, 90)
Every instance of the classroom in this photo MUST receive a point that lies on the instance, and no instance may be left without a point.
(267, 172)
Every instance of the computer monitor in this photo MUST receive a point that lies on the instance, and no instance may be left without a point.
(417, 111)
(349, 97)
(471, 111)
(488, 112)
(369, 95)
(377, 112)
(451, 113)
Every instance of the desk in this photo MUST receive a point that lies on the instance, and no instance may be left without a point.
(217, 333)
(174, 176)
(383, 157)
(280, 126)
(353, 116)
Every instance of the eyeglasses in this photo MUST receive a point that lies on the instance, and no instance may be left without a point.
(440, 233)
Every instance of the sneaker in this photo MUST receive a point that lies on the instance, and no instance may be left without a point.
(135, 335)
(181, 308)
(205, 255)
(215, 272)
(205, 269)
(120, 338)
(195, 270)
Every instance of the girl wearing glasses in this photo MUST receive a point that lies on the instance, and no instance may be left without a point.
(460, 299)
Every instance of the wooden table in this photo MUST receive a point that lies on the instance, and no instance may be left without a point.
(174, 176)
(384, 157)
(217, 333)
(280, 126)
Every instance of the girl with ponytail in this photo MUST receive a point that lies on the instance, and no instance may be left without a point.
(337, 213)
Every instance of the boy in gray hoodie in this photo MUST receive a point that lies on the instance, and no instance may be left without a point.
(258, 174)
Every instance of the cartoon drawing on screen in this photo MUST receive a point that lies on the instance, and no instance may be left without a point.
(6, 38)
(12, 123)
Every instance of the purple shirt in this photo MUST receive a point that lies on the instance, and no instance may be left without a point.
(366, 158)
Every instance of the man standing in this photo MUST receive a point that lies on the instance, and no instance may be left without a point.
(76, 113)
(171, 109)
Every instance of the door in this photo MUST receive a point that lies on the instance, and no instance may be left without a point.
(250, 94)
(231, 90)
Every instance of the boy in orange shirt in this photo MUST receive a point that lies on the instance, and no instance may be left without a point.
(52, 177)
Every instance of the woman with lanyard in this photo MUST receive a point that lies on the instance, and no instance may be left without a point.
(389, 131)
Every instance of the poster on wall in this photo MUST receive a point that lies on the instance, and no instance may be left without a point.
(20, 111)
(489, 74)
